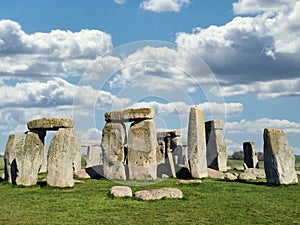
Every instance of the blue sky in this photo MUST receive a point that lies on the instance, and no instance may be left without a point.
(237, 59)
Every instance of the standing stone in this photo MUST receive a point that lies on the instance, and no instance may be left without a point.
(216, 153)
(196, 143)
(29, 159)
(43, 168)
(279, 159)
(93, 156)
(24, 157)
(77, 153)
(60, 159)
(250, 156)
(14, 142)
(142, 145)
(113, 140)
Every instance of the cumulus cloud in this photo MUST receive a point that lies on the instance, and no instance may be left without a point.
(92, 134)
(181, 108)
(257, 6)
(257, 126)
(159, 6)
(57, 53)
(252, 50)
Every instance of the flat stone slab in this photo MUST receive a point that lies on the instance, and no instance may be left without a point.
(50, 123)
(247, 176)
(189, 182)
(120, 191)
(156, 194)
(129, 115)
(215, 174)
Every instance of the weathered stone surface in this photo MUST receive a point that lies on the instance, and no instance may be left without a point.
(50, 123)
(230, 176)
(132, 114)
(14, 142)
(216, 153)
(155, 194)
(77, 153)
(93, 156)
(247, 176)
(259, 173)
(89, 143)
(29, 159)
(113, 140)
(82, 174)
(279, 159)
(24, 157)
(120, 191)
(215, 174)
(189, 182)
(197, 143)
(142, 145)
(250, 156)
(60, 159)
(43, 168)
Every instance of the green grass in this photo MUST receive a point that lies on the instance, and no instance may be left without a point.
(212, 202)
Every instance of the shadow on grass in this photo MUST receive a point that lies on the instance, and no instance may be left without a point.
(256, 183)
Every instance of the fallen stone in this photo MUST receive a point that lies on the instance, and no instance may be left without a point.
(156, 194)
(113, 140)
(247, 176)
(142, 143)
(121, 191)
(82, 174)
(279, 159)
(128, 115)
(230, 176)
(259, 173)
(60, 159)
(215, 174)
(197, 143)
(189, 182)
(239, 168)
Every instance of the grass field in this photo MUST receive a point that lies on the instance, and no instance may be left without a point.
(212, 202)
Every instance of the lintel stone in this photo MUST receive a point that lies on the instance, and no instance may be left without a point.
(50, 123)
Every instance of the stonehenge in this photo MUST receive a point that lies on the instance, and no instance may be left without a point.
(25, 154)
(139, 152)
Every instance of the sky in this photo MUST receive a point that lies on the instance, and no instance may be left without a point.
(237, 59)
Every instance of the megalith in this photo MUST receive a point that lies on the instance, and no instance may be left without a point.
(60, 159)
(279, 159)
(23, 158)
(142, 144)
(77, 153)
(250, 156)
(197, 143)
(93, 156)
(113, 140)
(14, 142)
(216, 153)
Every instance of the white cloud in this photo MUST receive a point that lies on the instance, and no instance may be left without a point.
(264, 90)
(257, 126)
(159, 6)
(232, 146)
(249, 53)
(296, 151)
(216, 109)
(92, 134)
(120, 1)
(258, 6)
(58, 53)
